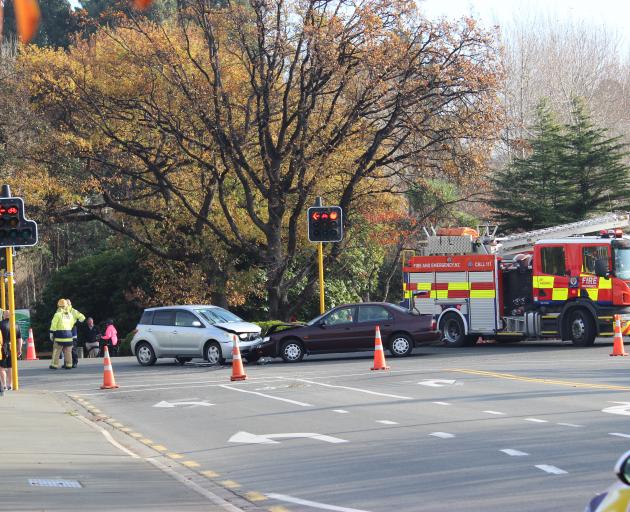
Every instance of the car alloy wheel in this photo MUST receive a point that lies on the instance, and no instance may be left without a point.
(401, 345)
(213, 354)
(145, 354)
(292, 351)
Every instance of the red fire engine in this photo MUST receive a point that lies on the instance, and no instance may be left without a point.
(550, 283)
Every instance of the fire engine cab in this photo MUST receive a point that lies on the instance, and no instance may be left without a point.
(550, 283)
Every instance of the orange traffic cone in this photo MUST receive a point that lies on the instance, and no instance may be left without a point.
(618, 349)
(108, 373)
(238, 372)
(31, 355)
(379, 355)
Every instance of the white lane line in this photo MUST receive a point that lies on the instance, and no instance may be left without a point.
(514, 453)
(301, 404)
(496, 413)
(183, 383)
(442, 435)
(570, 425)
(441, 403)
(213, 498)
(551, 469)
(109, 437)
(210, 496)
(536, 420)
(308, 503)
(386, 422)
(349, 388)
(341, 411)
(618, 434)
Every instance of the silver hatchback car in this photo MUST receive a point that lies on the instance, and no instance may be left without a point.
(187, 332)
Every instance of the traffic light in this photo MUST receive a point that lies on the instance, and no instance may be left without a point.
(325, 224)
(15, 229)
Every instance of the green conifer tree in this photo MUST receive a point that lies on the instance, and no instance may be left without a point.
(532, 192)
(594, 163)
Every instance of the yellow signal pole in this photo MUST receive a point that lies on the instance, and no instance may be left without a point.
(9, 274)
(3, 298)
(320, 257)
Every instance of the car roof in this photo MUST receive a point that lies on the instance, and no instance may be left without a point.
(363, 304)
(182, 306)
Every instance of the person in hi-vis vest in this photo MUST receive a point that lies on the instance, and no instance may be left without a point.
(61, 335)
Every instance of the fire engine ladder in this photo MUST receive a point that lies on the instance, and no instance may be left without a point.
(523, 242)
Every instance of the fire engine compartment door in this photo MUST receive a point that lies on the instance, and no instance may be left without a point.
(483, 302)
(424, 281)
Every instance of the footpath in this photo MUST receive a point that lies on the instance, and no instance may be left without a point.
(55, 458)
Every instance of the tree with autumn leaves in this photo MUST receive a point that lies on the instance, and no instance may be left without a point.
(205, 138)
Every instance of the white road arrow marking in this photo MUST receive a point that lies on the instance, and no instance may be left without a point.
(164, 403)
(618, 434)
(623, 408)
(514, 453)
(442, 435)
(246, 437)
(551, 469)
(437, 383)
(313, 504)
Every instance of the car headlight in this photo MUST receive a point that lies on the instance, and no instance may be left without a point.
(243, 336)
(266, 339)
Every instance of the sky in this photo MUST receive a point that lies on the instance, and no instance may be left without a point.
(614, 14)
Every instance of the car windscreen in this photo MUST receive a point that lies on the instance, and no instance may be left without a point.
(400, 309)
(218, 315)
(316, 319)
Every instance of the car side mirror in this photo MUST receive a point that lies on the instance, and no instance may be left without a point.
(601, 268)
(322, 324)
(197, 323)
(622, 468)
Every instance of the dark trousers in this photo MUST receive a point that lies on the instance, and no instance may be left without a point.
(75, 353)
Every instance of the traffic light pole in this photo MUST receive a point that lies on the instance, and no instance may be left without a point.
(9, 274)
(3, 294)
(320, 257)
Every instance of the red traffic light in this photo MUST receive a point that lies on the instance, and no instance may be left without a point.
(315, 216)
(12, 210)
(334, 215)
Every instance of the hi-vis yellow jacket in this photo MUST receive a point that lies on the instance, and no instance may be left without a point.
(61, 326)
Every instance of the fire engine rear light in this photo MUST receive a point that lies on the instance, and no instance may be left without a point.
(618, 233)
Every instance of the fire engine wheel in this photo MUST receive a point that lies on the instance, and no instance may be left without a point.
(453, 335)
(581, 328)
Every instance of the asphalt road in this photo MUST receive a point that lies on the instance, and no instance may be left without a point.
(525, 427)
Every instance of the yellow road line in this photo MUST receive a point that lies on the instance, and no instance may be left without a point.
(255, 496)
(146, 441)
(277, 508)
(191, 464)
(510, 376)
(173, 455)
(230, 484)
(159, 447)
(210, 474)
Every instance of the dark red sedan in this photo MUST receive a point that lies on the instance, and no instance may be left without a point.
(350, 328)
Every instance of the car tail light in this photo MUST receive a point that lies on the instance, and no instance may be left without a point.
(434, 325)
